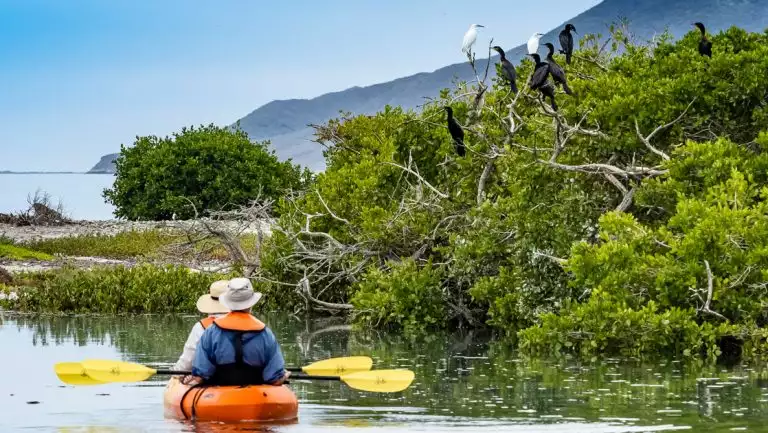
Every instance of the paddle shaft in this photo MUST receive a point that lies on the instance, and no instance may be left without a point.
(297, 376)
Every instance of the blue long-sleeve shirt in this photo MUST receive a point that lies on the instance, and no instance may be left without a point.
(260, 349)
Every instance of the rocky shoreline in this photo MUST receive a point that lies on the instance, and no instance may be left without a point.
(105, 227)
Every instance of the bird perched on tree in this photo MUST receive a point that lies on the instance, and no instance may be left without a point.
(566, 42)
(507, 69)
(469, 38)
(705, 45)
(539, 79)
(456, 132)
(555, 70)
(533, 43)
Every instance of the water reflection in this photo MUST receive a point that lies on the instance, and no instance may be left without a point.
(463, 382)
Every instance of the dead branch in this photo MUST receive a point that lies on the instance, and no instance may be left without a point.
(607, 168)
(558, 260)
(226, 229)
(304, 290)
(626, 202)
(330, 212)
(592, 61)
(611, 178)
(647, 139)
(483, 179)
(418, 176)
(710, 287)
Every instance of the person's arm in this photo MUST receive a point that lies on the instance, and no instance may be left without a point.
(274, 370)
(188, 353)
(203, 367)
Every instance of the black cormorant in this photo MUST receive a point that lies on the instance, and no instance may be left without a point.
(456, 132)
(566, 42)
(705, 45)
(507, 69)
(539, 80)
(555, 70)
(540, 72)
(548, 90)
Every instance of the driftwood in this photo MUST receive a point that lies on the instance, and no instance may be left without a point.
(41, 211)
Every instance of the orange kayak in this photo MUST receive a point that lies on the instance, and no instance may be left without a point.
(230, 403)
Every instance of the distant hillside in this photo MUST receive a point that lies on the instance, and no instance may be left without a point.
(105, 165)
(285, 122)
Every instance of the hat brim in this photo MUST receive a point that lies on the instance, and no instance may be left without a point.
(206, 304)
(239, 305)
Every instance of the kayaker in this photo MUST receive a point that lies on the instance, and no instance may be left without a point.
(207, 304)
(238, 349)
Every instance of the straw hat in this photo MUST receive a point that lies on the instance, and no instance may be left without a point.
(209, 303)
(240, 295)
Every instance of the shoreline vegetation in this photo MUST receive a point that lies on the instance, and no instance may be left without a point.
(628, 219)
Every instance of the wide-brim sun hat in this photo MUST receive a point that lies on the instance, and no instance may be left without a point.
(210, 303)
(239, 295)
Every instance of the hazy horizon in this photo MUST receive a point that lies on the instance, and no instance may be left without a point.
(85, 76)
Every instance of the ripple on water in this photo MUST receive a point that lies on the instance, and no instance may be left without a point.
(483, 387)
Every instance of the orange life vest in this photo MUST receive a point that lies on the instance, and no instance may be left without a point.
(238, 372)
(208, 321)
(239, 321)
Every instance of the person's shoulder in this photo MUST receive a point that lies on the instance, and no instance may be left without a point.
(269, 335)
(210, 331)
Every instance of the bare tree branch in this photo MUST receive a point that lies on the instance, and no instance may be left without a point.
(330, 212)
(647, 139)
(558, 260)
(611, 178)
(607, 168)
(305, 291)
(626, 202)
(418, 176)
(483, 179)
(710, 288)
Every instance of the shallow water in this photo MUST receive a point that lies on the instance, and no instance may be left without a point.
(463, 383)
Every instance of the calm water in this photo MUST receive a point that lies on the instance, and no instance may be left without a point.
(80, 193)
(462, 384)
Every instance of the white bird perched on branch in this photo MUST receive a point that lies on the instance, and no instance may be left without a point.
(469, 38)
(533, 43)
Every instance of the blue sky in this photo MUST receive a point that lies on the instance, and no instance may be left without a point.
(80, 77)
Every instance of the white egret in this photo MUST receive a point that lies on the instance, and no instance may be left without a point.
(469, 38)
(533, 43)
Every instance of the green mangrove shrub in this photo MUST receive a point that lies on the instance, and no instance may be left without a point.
(197, 170)
(406, 294)
(645, 191)
(107, 289)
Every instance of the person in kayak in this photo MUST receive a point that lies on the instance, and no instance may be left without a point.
(207, 304)
(238, 349)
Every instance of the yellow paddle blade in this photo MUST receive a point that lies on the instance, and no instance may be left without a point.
(379, 380)
(338, 366)
(73, 373)
(117, 371)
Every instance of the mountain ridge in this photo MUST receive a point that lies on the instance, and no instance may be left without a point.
(285, 122)
(646, 19)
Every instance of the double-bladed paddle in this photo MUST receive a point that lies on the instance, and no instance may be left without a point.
(74, 373)
(352, 372)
